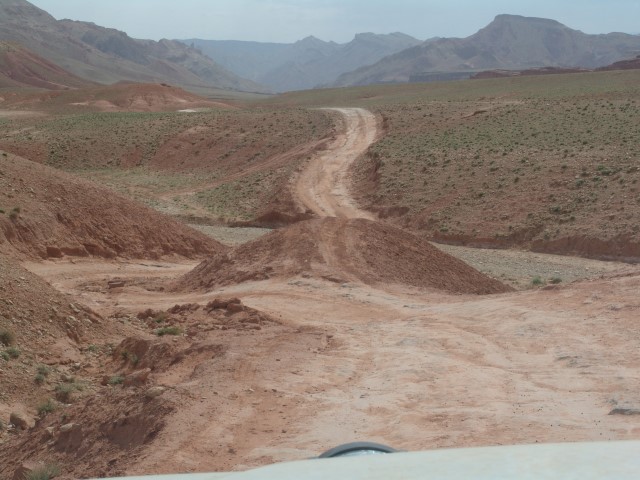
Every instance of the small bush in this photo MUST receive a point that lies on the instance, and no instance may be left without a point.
(15, 213)
(44, 370)
(47, 407)
(130, 357)
(14, 352)
(537, 281)
(7, 337)
(4, 356)
(65, 391)
(46, 472)
(39, 378)
(556, 280)
(168, 331)
(116, 380)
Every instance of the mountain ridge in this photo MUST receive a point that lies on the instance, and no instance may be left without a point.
(508, 42)
(106, 55)
(306, 63)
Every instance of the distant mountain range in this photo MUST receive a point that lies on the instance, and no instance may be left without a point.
(39, 51)
(305, 64)
(509, 42)
(105, 55)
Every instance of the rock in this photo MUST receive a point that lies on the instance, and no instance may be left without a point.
(18, 421)
(154, 392)
(235, 308)
(70, 437)
(68, 427)
(139, 377)
(219, 304)
(115, 283)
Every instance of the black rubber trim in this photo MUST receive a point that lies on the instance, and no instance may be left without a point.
(354, 447)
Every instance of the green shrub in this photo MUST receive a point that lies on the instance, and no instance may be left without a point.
(556, 280)
(7, 337)
(14, 352)
(4, 356)
(116, 380)
(47, 407)
(44, 370)
(65, 391)
(173, 330)
(15, 213)
(537, 281)
(39, 378)
(46, 472)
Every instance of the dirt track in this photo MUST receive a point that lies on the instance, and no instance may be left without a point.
(412, 368)
(323, 186)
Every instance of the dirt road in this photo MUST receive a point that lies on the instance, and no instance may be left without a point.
(412, 368)
(323, 187)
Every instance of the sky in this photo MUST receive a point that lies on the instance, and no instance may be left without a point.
(287, 21)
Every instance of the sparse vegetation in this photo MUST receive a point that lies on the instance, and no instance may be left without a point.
(13, 352)
(7, 337)
(15, 213)
(47, 407)
(116, 380)
(171, 330)
(537, 281)
(65, 391)
(46, 472)
(130, 357)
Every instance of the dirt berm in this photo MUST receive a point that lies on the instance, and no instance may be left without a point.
(47, 213)
(342, 250)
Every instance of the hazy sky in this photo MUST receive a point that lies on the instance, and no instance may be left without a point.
(338, 20)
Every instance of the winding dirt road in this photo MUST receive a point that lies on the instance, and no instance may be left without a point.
(414, 369)
(323, 187)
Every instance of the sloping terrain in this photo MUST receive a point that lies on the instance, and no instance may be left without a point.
(120, 97)
(106, 55)
(343, 250)
(47, 213)
(21, 68)
(305, 64)
(509, 42)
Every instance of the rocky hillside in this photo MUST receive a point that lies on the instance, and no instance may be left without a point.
(21, 68)
(509, 42)
(106, 55)
(305, 64)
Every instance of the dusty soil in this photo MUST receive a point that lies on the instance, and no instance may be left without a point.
(47, 213)
(309, 358)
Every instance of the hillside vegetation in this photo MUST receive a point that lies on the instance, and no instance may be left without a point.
(550, 163)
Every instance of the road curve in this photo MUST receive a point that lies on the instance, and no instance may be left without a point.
(323, 187)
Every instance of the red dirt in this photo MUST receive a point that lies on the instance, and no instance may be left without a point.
(347, 350)
(344, 250)
(60, 215)
(121, 97)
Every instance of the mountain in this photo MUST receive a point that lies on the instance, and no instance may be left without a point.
(106, 55)
(20, 67)
(510, 42)
(308, 63)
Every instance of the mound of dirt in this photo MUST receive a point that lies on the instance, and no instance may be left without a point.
(342, 250)
(41, 333)
(121, 97)
(48, 214)
(95, 438)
